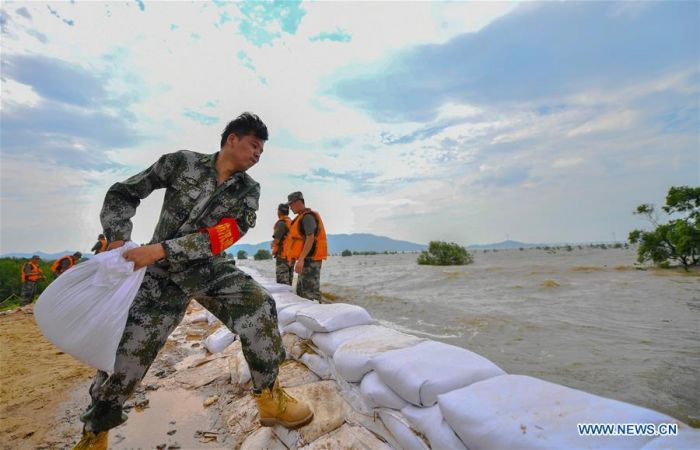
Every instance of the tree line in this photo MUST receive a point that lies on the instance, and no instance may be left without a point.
(11, 276)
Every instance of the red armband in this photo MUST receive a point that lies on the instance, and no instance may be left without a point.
(223, 235)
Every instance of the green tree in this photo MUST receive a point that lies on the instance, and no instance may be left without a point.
(242, 254)
(10, 278)
(262, 254)
(445, 254)
(346, 252)
(677, 240)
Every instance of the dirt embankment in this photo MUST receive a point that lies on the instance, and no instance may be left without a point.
(37, 379)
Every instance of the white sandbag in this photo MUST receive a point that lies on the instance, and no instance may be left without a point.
(328, 343)
(331, 317)
(400, 428)
(274, 288)
(238, 366)
(517, 411)
(686, 439)
(289, 314)
(286, 299)
(423, 372)
(203, 316)
(250, 271)
(379, 393)
(353, 356)
(298, 329)
(84, 311)
(219, 340)
(432, 425)
(199, 316)
(317, 364)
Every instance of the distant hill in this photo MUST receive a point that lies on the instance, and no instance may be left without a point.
(504, 245)
(357, 242)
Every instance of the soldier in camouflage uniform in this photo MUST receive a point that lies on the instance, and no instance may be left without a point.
(209, 203)
(283, 270)
(306, 247)
(31, 274)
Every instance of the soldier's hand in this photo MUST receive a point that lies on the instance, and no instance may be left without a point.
(144, 256)
(299, 265)
(115, 244)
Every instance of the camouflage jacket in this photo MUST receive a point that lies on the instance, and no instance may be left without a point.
(193, 201)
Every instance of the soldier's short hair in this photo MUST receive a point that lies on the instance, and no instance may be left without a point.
(283, 208)
(245, 125)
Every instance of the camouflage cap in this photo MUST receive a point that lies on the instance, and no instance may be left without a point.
(78, 255)
(35, 257)
(295, 196)
(283, 208)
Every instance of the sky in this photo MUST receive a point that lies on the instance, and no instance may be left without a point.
(470, 122)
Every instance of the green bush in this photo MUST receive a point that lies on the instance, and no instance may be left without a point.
(242, 254)
(445, 254)
(262, 254)
(346, 252)
(679, 239)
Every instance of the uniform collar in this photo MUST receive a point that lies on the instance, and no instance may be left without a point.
(210, 161)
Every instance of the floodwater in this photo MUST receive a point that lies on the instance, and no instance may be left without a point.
(588, 319)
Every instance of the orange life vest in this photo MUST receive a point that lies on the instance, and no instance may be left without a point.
(294, 243)
(34, 275)
(280, 247)
(103, 242)
(57, 264)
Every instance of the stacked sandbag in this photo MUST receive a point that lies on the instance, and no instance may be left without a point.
(420, 373)
(419, 394)
(517, 411)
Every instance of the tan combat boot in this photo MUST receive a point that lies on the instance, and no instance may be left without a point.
(92, 441)
(276, 407)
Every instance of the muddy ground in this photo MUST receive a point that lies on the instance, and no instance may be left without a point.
(44, 390)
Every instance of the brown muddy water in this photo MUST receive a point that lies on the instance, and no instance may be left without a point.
(588, 319)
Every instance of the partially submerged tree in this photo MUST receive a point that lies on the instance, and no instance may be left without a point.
(242, 254)
(677, 240)
(445, 254)
(346, 252)
(262, 254)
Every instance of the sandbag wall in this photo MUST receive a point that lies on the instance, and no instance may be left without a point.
(428, 394)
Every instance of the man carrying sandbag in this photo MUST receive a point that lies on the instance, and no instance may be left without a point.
(65, 262)
(210, 202)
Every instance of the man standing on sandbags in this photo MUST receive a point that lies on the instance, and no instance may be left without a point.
(209, 203)
(283, 270)
(306, 247)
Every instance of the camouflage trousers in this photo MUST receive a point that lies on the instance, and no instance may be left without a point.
(283, 271)
(28, 292)
(309, 282)
(245, 307)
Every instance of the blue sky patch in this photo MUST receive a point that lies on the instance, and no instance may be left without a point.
(535, 53)
(201, 118)
(259, 17)
(335, 36)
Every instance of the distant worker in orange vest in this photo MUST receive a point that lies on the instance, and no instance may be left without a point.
(101, 244)
(283, 269)
(65, 262)
(306, 247)
(31, 274)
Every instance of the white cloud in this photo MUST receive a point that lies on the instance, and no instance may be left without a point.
(446, 180)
